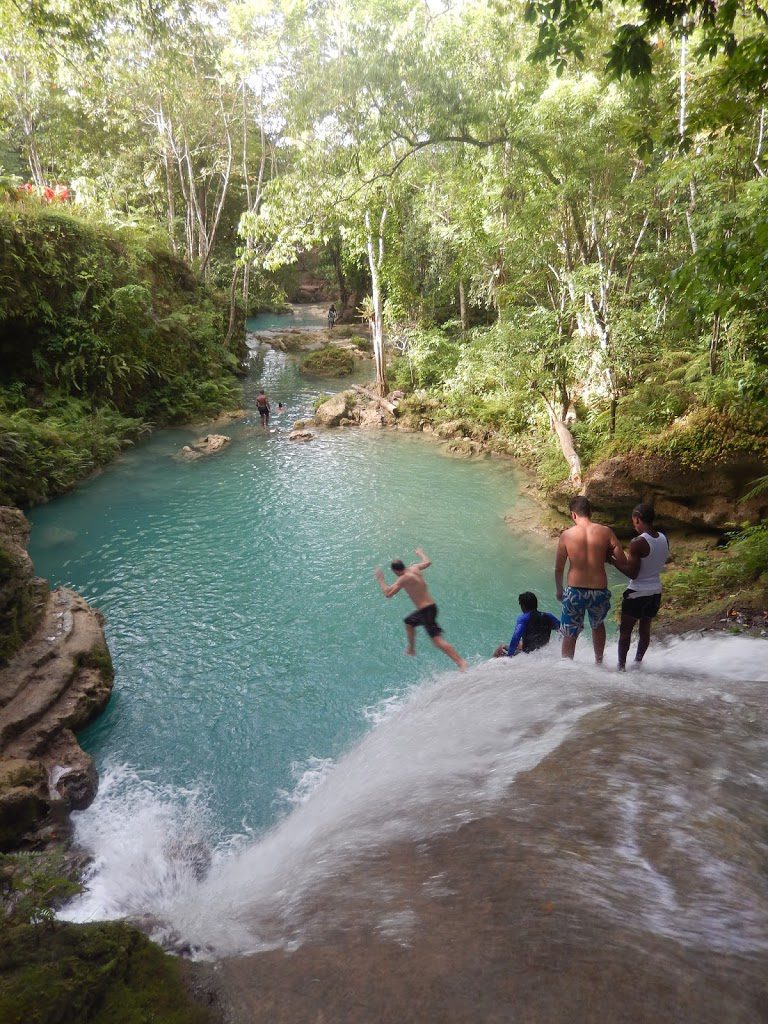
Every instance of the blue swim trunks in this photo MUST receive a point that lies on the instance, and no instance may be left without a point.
(577, 601)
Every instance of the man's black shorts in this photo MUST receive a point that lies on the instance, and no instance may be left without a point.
(426, 617)
(644, 606)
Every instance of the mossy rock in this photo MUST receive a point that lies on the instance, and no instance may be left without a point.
(106, 973)
(23, 800)
(99, 659)
(329, 362)
(22, 597)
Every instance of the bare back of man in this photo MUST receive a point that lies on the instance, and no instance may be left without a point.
(586, 547)
(415, 586)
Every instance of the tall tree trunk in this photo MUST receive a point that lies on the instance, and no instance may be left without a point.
(759, 146)
(375, 248)
(682, 115)
(232, 306)
(462, 306)
(567, 447)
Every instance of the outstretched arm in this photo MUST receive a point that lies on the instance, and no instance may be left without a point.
(425, 562)
(387, 590)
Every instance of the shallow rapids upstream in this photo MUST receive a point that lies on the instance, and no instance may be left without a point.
(638, 798)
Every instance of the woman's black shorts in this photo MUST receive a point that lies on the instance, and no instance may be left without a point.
(643, 606)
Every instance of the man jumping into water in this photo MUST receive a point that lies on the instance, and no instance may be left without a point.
(587, 546)
(410, 580)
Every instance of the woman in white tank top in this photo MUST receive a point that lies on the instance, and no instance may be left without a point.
(648, 579)
(648, 553)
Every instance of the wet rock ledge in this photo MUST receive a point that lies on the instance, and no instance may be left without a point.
(55, 677)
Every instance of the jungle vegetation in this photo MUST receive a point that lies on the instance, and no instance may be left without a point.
(552, 215)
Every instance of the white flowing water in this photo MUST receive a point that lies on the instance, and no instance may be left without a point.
(445, 754)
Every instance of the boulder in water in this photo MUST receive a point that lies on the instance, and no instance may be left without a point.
(301, 435)
(376, 416)
(331, 413)
(208, 445)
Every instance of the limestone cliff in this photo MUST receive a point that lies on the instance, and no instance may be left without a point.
(708, 497)
(55, 677)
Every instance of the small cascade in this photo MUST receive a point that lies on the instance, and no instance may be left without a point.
(500, 740)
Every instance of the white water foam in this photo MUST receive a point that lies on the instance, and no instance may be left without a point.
(444, 754)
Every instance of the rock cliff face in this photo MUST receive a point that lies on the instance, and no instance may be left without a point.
(706, 498)
(55, 677)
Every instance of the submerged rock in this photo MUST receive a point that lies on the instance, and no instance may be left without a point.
(208, 445)
(301, 435)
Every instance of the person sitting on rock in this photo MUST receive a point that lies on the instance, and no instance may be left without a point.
(532, 629)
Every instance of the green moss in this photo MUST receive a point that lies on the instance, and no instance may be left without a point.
(100, 659)
(106, 973)
(703, 436)
(329, 362)
(18, 620)
(739, 569)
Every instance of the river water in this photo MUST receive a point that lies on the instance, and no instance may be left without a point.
(267, 737)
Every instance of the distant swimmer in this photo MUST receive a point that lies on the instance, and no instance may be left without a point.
(532, 629)
(262, 404)
(410, 580)
(648, 554)
(587, 546)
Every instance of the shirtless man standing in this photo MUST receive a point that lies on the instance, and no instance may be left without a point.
(587, 546)
(410, 580)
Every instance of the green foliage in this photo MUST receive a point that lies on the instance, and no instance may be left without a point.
(742, 565)
(329, 362)
(735, 29)
(706, 435)
(47, 449)
(107, 973)
(101, 332)
(33, 885)
(429, 359)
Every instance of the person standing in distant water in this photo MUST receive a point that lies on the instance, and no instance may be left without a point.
(587, 546)
(262, 404)
(648, 554)
(332, 315)
(411, 581)
(532, 629)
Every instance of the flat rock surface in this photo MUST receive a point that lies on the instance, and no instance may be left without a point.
(546, 911)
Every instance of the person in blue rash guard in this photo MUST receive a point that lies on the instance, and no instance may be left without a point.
(532, 629)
